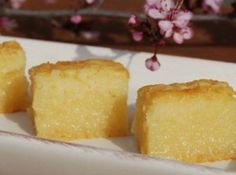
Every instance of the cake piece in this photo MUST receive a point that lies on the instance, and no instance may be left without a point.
(191, 122)
(83, 99)
(13, 83)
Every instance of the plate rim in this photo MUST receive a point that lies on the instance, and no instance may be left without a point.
(105, 150)
(121, 154)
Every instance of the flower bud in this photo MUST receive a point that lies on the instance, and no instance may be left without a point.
(152, 63)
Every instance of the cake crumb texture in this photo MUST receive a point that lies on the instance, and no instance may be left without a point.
(80, 99)
(13, 83)
(191, 122)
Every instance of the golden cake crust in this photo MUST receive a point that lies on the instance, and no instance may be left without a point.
(13, 83)
(70, 65)
(87, 82)
(168, 103)
(190, 88)
(10, 47)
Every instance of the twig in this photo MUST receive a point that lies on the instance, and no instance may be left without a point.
(58, 13)
(100, 2)
(179, 4)
(94, 12)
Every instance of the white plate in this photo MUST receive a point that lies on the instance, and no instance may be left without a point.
(22, 153)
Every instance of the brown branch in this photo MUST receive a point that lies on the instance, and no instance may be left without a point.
(179, 4)
(58, 13)
(94, 12)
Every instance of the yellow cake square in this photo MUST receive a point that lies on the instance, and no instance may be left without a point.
(13, 84)
(80, 99)
(192, 122)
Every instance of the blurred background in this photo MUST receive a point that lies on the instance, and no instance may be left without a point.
(214, 39)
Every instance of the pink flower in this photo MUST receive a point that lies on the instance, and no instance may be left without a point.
(151, 4)
(182, 18)
(76, 19)
(156, 14)
(171, 21)
(16, 4)
(152, 63)
(166, 28)
(90, 1)
(212, 5)
(158, 9)
(7, 24)
(183, 34)
(133, 20)
(137, 36)
(177, 26)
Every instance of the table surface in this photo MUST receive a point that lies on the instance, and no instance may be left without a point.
(212, 40)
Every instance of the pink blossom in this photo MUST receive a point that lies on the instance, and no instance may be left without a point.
(16, 4)
(133, 20)
(167, 5)
(137, 36)
(166, 28)
(171, 21)
(150, 4)
(76, 19)
(90, 1)
(7, 24)
(156, 14)
(212, 5)
(152, 63)
(177, 26)
(182, 18)
(158, 9)
(183, 34)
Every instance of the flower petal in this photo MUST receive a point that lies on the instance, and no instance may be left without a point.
(167, 5)
(168, 33)
(16, 4)
(187, 33)
(76, 19)
(165, 25)
(152, 63)
(156, 14)
(184, 15)
(150, 4)
(212, 5)
(182, 19)
(137, 36)
(89, 1)
(7, 24)
(132, 20)
(178, 38)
